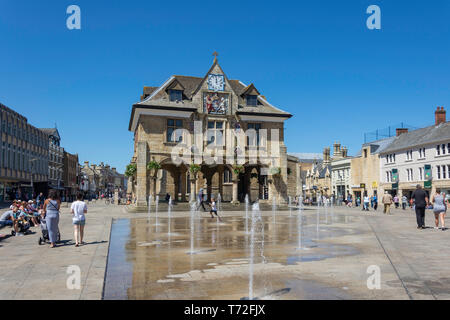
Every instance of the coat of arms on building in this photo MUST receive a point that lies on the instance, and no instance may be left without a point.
(215, 103)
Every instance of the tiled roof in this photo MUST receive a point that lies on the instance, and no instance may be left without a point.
(427, 135)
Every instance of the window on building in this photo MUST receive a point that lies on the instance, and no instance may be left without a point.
(252, 100)
(253, 134)
(438, 168)
(444, 172)
(173, 125)
(215, 133)
(176, 95)
(438, 150)
(420, 174)
(409, 155)
(365, 153)
(443, 149)
(227, 176)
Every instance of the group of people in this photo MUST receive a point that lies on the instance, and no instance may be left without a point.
(23, 215)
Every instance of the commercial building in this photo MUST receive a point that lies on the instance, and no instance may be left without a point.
(55, 159)
(418, 157)
(365, 168)
(70, 175)
(24, 157)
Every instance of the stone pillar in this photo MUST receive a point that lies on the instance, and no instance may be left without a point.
(220, 180)
(193, 195)
(282, 199)
(235, 199)
(183, 173)
(141, 175)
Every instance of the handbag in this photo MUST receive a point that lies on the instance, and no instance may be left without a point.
(53, 206)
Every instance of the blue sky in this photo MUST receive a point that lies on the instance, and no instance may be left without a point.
(315, 59)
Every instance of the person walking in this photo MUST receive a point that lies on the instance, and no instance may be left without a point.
(366, 201)
(201, 200)
(40, 200)
(375, 202)
(439, 208)
(51, 210)
(78, 210)
(387, 201)
(396, 201)
(404, 202)
(420, 202)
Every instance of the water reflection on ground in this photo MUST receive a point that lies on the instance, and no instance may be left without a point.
(145, 262)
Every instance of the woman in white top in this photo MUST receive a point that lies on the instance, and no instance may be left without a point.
(366, 202)
(79, 209)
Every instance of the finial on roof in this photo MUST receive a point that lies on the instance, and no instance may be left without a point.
(215, 54)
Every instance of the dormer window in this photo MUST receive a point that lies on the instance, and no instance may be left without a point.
(176, 95)
(252, 100)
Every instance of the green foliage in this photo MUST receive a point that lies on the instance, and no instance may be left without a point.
(153, 165)
(194, 168)
(131, 169)
(238, 169)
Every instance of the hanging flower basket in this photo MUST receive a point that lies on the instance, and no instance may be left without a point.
(194, 169)
(237, 169)
(153, 166)
(131, 170)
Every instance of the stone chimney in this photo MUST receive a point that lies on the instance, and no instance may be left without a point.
(86, 164)
(344, 152)
(326, 155)
(114, 170)
(337, 152)
(439, 115)
(400, 131)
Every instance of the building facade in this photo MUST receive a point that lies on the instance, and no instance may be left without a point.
(365, 168)
(24, 157)
(55, 159)
(101, 179)
(317, 179)
(418, 157)
(222, 123)
(70, 175)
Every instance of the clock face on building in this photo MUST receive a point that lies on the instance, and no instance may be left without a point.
(216, 82)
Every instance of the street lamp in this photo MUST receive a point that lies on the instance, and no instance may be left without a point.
(32, 167)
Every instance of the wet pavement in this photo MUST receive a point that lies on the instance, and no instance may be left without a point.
(130, 256)
(145, 262)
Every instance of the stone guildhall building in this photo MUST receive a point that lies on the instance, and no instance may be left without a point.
(225, 110)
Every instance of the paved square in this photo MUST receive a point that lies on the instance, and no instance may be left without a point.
(318, 254)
